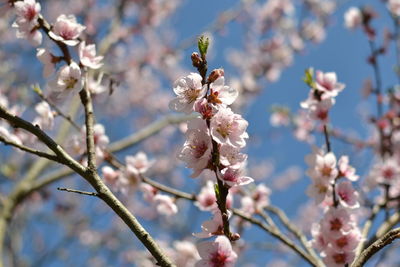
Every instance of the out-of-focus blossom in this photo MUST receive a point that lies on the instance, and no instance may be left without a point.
(346, 170)
(27, 11)
(353, 18)
(138, 164)
(327, 83)
(348, 197)
(234, 177)
(115, 180)
(165, 205)
(206, 200)
(212, 227)
(67, 30)
(45, 120)
(185, 253)
(87, 56)
(68, 79)
(280, 116)
(48, 61)
(394, 7)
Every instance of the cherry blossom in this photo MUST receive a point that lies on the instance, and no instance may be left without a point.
(336, 222)
(87, 55)
(346, 170)
(188, 89)
(165, 205)
(231, 156)
(234, 177)
(327, 84)
(206, 199)
(319, 190)
(221, 93)
(196, 151)
(138, 164)
(67, 30)
(347, 195)
(46, 116)
(212, 227)
(228, 127)
(216, 254)
(68, 79)
(336, 258)
(394, 7)
(115, 179)
(48, 61)
(27, 11)
(261, 196)
(353, 18)
(25, 31)
(347, 242)
(386, 172)
(322, 166)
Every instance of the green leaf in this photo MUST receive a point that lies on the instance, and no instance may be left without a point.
(309, 77)
(216, 189)
(203, 43)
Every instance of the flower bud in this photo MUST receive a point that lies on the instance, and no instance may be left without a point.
(215, 74)
(196, 60)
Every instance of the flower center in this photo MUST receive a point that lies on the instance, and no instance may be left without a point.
(336, 224)
(218, 259)
(70, 82)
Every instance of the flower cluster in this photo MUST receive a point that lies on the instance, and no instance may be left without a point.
(336, 236)
(325, 172)
(322, 95)
(214, 139)
(216, 131)
(65, 31)
(129, 177)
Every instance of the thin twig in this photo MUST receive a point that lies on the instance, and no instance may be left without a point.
(367, 227)
(93, 194)
(293, 229)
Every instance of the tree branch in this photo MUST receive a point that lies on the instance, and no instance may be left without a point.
(374, 248)
(29, 150)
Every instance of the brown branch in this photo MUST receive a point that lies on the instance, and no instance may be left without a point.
(86, 99)
(29, 150)
(374, 248)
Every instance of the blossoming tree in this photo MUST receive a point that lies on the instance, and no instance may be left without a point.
(88, 153)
